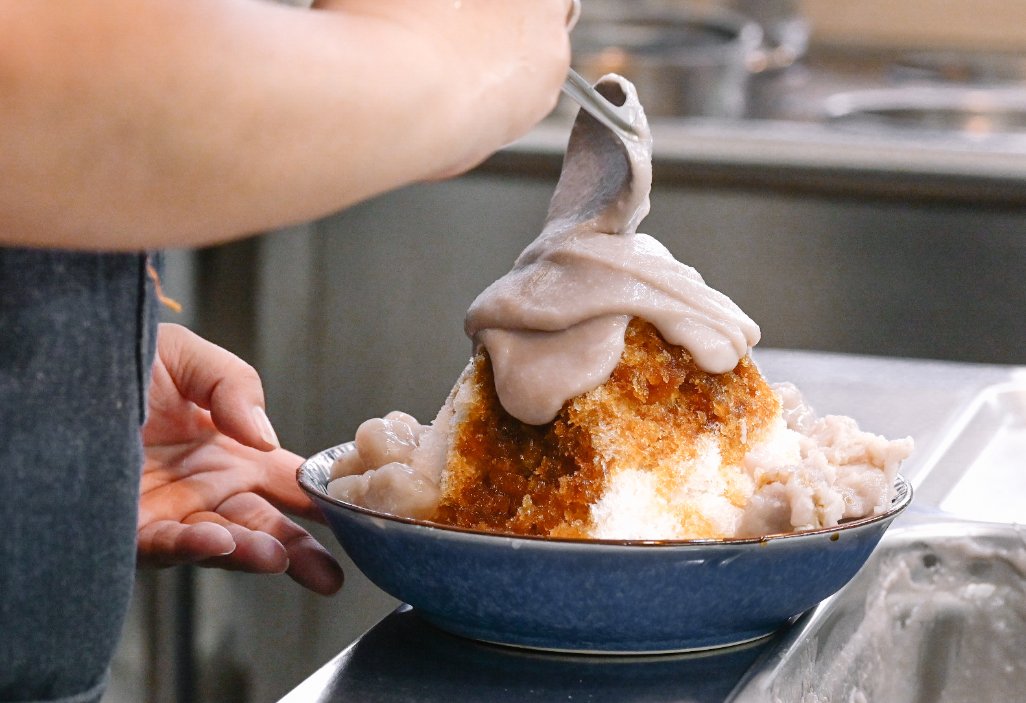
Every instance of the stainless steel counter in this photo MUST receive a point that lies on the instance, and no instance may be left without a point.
(793, 155)
(403, 659)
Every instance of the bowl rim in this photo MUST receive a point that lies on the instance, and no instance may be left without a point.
(901, 500)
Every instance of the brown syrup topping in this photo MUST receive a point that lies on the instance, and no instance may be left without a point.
(507, 476)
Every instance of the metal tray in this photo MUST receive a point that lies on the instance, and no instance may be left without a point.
(979, 471)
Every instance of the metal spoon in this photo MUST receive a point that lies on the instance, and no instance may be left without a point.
(612, 116)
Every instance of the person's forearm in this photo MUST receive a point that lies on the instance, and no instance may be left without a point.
(130, 124)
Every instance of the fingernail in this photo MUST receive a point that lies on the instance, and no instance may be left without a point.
(264, 425)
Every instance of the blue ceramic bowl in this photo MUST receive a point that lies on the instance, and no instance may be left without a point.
(598, 596)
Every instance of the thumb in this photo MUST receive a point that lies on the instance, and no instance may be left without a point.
(217, 380)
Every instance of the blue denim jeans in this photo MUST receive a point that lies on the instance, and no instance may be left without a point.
(76, 341)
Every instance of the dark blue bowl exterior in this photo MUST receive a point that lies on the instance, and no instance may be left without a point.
(597, 596)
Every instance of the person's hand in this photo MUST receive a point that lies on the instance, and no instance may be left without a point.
(498, 65)
(307, 113)
(214, 477)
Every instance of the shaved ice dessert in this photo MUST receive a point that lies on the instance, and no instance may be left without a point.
(612, 394)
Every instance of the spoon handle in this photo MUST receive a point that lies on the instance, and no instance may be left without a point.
(597, 106)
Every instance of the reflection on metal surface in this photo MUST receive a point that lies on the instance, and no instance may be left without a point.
(403, 659)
